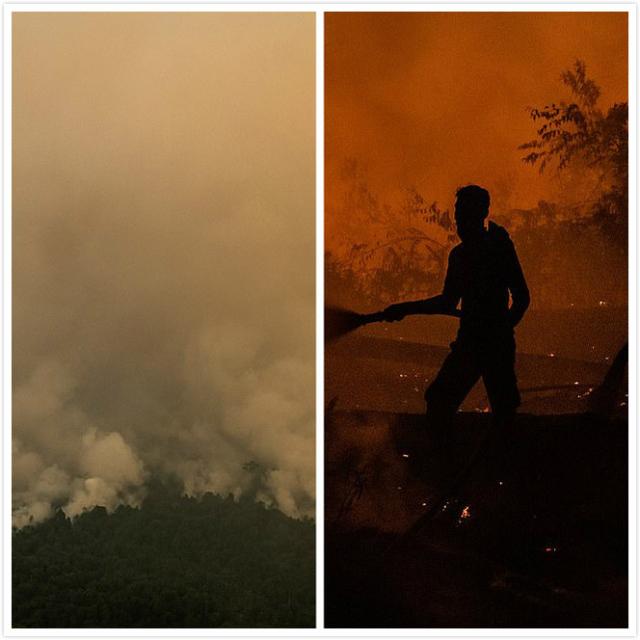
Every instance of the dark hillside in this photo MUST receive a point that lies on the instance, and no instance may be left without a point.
(176, 562)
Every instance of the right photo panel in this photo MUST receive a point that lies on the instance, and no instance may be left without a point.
(476, 437)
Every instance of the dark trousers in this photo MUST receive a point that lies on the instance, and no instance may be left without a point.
(490, 358)
(493, 360)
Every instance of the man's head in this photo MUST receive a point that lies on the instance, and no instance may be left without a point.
(472, 207)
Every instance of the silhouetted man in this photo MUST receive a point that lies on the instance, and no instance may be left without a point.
(483, 269)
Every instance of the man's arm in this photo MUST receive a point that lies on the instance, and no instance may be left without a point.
(439, 304)
(517, 284)
(445, 303)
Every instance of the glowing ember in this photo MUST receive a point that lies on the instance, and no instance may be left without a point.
(551, 549)
(465, 513)
(552, 355)
(405, 455)
(602, 303)
(424, 504)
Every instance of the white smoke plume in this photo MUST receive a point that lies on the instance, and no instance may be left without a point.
(163, 246)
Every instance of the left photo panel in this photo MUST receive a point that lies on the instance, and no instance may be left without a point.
(163, 320)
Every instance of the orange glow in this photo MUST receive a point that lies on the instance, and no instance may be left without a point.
(424, 103)
(438, 100)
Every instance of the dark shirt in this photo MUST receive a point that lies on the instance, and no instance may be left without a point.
(482, 274)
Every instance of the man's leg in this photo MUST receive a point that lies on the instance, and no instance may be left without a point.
(442, 464)
(499, 377)
(458, 374)
(505, 470)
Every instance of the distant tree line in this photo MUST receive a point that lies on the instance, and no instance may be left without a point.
(176, 562)
(573, 254)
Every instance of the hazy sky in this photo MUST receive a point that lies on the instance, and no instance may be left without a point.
(439, 100)
(163, 255)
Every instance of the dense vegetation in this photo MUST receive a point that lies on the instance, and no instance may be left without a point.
(176, 562)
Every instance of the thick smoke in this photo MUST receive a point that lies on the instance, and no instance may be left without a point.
(438, 100)
(163, 275)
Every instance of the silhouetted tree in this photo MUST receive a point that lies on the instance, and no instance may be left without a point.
(580, 133)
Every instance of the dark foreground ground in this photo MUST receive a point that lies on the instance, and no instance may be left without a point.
(537, 541)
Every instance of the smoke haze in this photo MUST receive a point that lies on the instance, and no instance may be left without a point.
(438, 100)
(163, 257)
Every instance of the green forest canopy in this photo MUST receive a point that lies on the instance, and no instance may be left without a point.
(176, 562)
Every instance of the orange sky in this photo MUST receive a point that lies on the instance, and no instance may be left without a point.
(438, 100)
